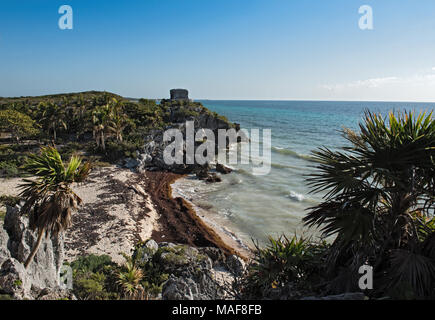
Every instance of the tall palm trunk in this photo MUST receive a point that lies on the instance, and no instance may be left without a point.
(35, 248)
(103, 143)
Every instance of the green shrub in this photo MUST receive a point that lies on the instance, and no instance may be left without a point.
(18, 124)
(94, 278)
(9, 169)
(90, 286)
(220, 117)
(91, 263)
(18, 283)
(154, 274)
(281, 262)
(70, 149)
(98, 278)
(9, 200)
(119, 150)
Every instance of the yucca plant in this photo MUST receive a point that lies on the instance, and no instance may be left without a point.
(49, 199)
(379, 197)
(129, 280)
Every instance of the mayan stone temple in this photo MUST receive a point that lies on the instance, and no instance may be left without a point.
(179, 94)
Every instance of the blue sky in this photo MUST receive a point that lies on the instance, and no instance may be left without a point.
(221, 49)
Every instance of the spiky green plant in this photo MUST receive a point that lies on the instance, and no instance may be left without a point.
(49, 199)
(283, 260)
(129, 280)
(379, 197)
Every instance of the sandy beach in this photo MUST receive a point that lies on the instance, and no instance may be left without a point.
(121, 207)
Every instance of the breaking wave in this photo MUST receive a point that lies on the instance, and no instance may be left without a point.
(294, 154)
(296, 196)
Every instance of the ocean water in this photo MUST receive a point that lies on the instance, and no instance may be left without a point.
(255, 207)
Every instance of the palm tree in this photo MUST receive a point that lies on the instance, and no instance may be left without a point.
(53, 116)
(118, 119)
(80, 107)
(379, 202)
(49, 199)
(101, 118)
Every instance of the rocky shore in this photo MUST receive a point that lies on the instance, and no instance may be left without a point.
(124, 205)
(195, 273)
(120, 209)
(180, 223)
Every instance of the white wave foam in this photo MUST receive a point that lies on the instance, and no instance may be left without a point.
(296, 196)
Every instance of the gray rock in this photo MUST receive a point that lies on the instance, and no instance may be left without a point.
(216, 255)
(151, 156)
(145, 252)
(14, 279)
(191, 276)
(192, 286)
(16, 243)
(223, 169)
(236, 265)
(131, 163)
(180, 289)
(55, 294)
(4, 252)
(152, 245)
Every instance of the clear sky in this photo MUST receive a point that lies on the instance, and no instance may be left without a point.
(221, 49)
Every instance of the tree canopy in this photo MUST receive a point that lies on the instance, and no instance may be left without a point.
(17, 124)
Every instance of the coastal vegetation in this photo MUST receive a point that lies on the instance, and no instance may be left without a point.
(140, 277)
(380, 205)
(19, 125)
(49, 199)
(378, 209)
(100, 126)
(293, 265)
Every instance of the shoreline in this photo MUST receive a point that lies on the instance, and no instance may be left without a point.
(181, 222)
(210, 218)
(121, 208)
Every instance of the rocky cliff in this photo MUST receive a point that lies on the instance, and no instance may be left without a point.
(178, 113)
(42, 278)
(194, 273)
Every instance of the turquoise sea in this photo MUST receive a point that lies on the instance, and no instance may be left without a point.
(274, 204)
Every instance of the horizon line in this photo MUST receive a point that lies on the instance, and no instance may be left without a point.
(315, 100)
(226, 99)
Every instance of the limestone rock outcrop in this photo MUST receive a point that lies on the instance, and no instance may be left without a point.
(16, 242)
(151, 156)
(223, 169)
(194, 274)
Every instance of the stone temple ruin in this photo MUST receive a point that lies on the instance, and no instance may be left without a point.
(179, 94)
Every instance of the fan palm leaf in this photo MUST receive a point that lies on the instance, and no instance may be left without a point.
(378, 190)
